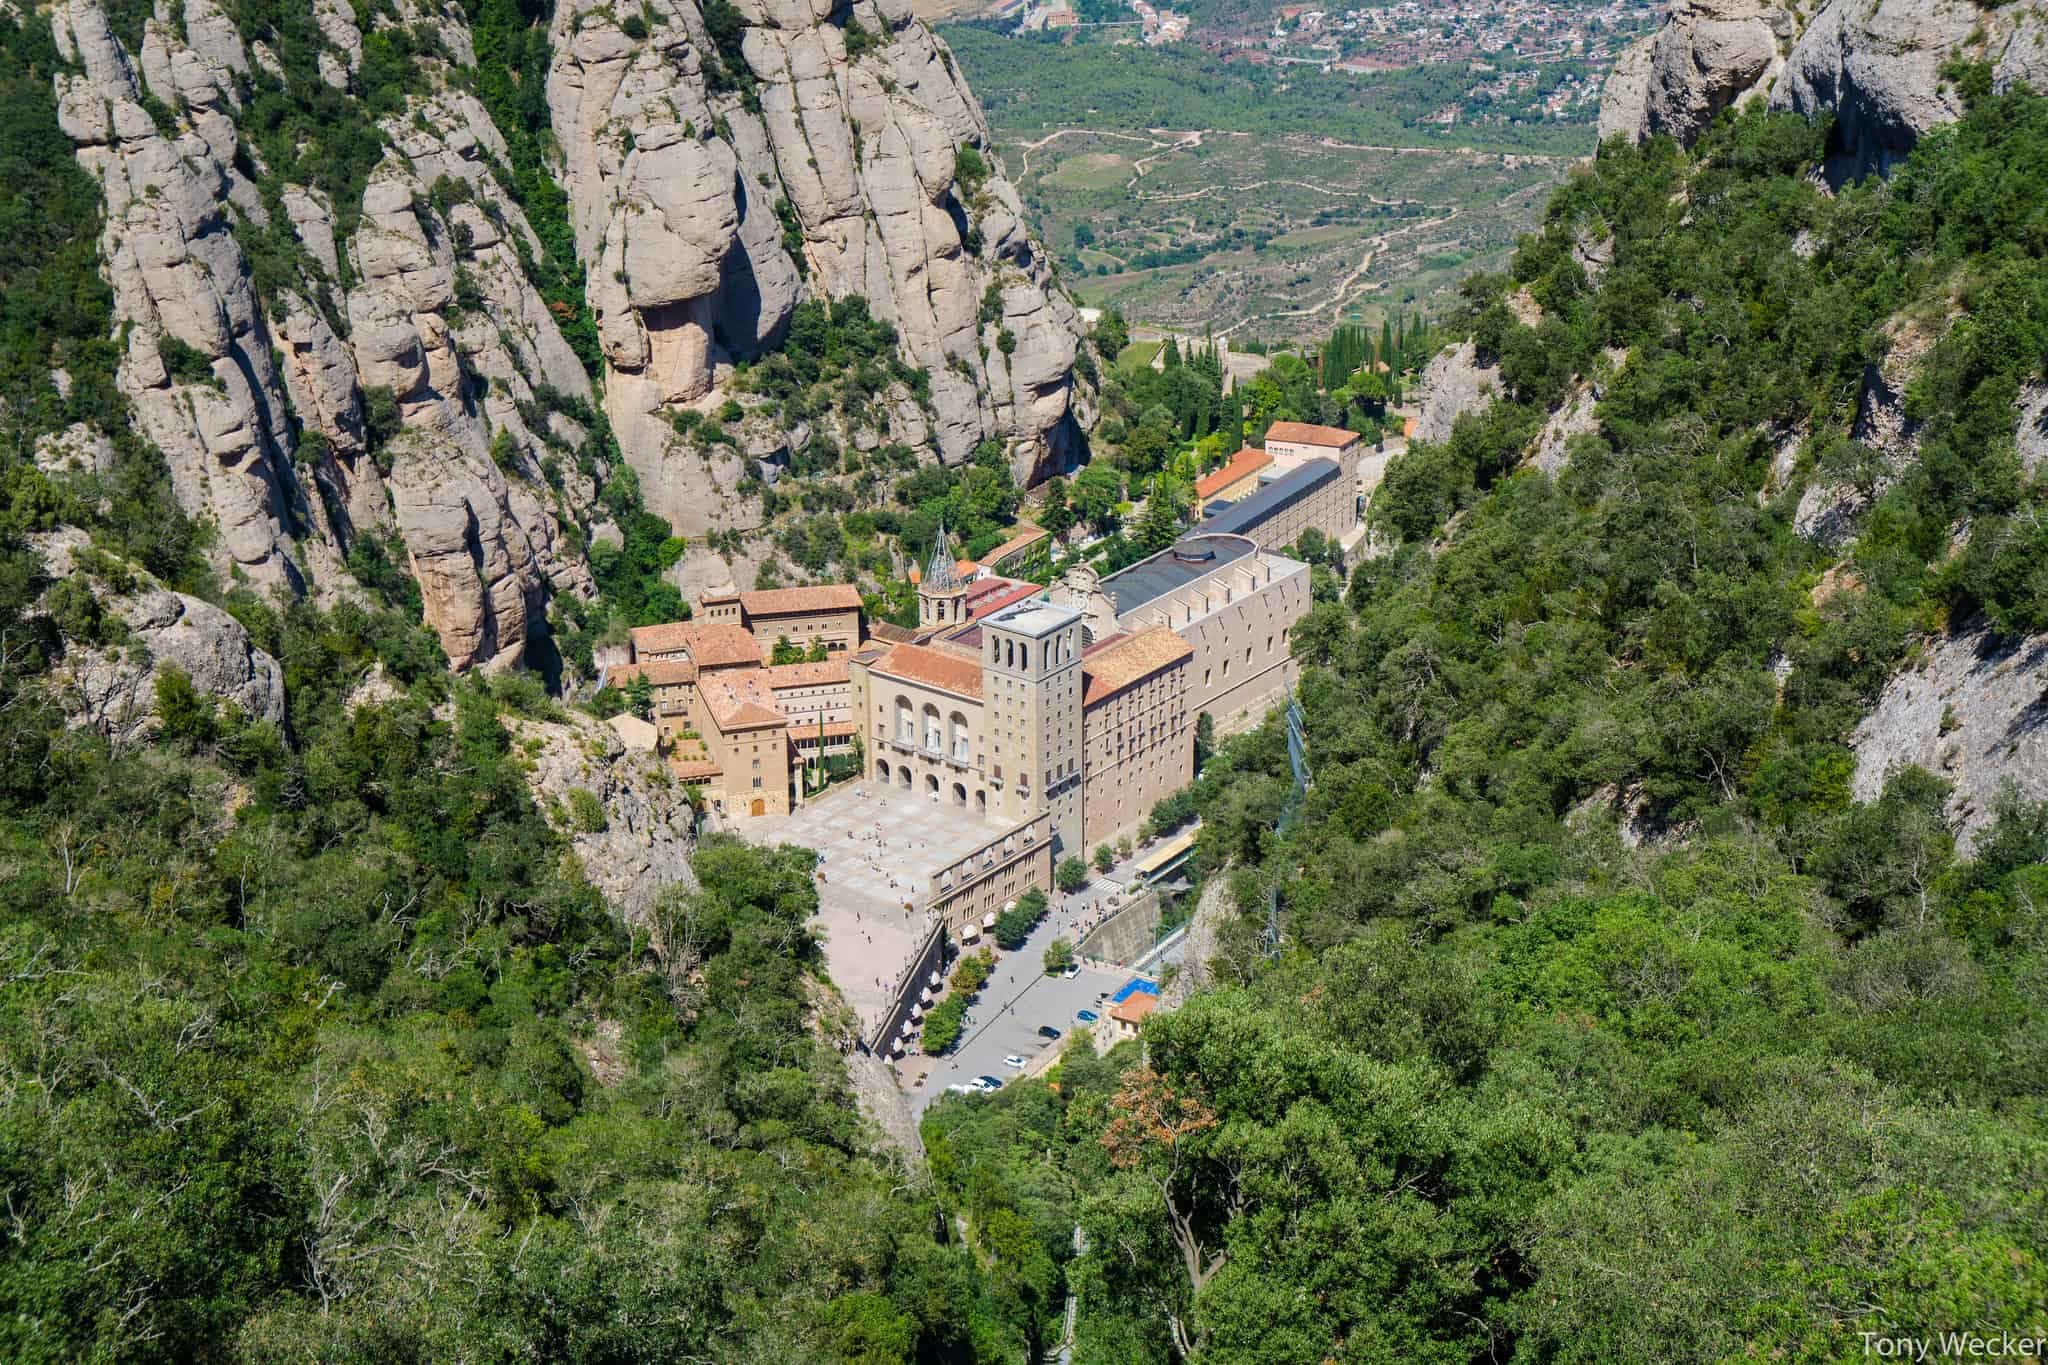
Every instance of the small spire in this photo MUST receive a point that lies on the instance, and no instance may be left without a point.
(940, 577)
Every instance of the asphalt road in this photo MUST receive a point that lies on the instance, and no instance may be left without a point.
(1019, 997)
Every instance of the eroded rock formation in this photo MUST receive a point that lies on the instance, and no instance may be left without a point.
(1453, 384)
(1974, 711)
(397, 371)
(815, 153)
(1874, 66)
(641, 841)
(258, 402)
(1709, 55)
(109, 683)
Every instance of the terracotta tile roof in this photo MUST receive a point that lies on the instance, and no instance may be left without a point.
(834, 729)
(1134, 1010)
(993, 594)
(805, 675)
(740, 702)
(659, 672)
(1120, 661)
(1245, 462)
(893, 633)
(662, 639)
(696, 770)
(715, 644)
(933, 668)
(786, 601)
(1307, 433)
(1027, 536)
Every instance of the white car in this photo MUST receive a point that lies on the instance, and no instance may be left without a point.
(1015, 1063)
(1073, 970)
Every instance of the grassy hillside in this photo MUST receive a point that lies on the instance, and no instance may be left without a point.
(1514, 1087)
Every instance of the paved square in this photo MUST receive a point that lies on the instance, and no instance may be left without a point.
(877, 849)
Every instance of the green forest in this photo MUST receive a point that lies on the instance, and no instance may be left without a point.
(1759, 1073)
(1601, 1024)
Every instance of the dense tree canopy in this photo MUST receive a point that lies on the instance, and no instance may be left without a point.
(1604, 1025)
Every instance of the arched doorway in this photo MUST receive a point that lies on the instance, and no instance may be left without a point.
(882, 771)
(959, 795)
(760, 807)
(903, 777)
(931, 786)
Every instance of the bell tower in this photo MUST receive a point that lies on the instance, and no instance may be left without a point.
(1031, 684)
(941, 597)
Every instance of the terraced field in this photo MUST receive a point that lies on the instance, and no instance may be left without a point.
(1268, 236)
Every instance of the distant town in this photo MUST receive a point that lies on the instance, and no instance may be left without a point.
(1521, 52)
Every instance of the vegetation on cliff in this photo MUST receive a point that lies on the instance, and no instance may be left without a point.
(1604, 1025)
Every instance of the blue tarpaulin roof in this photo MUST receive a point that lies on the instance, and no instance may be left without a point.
(1137, 985)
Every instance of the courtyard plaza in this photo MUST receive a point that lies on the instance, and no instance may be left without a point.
(877, 848)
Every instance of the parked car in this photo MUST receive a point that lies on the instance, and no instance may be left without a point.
(1073, 970)
(1049, 1033)
(1086, 1016)
(1015, 1063)
(988, 1084)
(963, 1089)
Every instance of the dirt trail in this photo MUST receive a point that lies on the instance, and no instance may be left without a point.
(1338, 296)
(1027, 148)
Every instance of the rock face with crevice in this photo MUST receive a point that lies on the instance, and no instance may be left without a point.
(259, 399)
(817, 152)
(1972, 710)
(1453, 384)
(316, 372)
(646, 836)
(108, 684)
(197, 365)
(1874, 67)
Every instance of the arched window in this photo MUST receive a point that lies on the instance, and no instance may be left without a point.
(933, 739)
(906, 722)
(956, 736)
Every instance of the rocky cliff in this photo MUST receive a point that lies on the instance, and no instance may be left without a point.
(631, 826)
(335, 312)
(1874, 66)
(1972, 710)
(119, 629)
(806, 149)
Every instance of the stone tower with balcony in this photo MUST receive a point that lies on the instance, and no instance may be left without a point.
(1031, 689)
